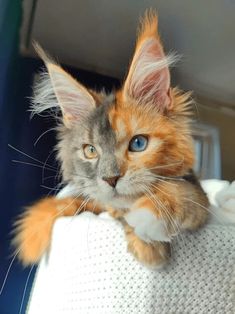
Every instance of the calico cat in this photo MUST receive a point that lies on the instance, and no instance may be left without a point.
(129, 152)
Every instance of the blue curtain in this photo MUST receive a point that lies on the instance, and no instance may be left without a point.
(10, 129)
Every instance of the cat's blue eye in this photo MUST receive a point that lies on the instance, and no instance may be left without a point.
(138, 143)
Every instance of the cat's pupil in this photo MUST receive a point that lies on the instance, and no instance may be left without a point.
(138, 143)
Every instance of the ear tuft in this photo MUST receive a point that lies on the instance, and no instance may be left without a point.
(148, 25)
(58, 90)
(148, 80)
(42, 53)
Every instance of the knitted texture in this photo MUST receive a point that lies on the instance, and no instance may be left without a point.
(88, 270)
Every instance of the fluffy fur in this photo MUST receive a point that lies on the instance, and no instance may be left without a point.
(152, 196)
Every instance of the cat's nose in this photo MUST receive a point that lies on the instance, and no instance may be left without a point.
(112, 181)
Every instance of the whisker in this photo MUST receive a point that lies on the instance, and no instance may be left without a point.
(88, 226)
(25, 288)
(49, 188)
(47, 178)
(30, 235)
(23, 153)
(40, 136)
(173, 222)
(45, 163)
(157, 202)
(8, 271)
(167, 165)
(166, 179)
(152, 198)
(80, 208)
(31, 164)
(160, 190)
(207, 209)
(52, 190)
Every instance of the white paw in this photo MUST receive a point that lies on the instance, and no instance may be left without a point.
(147, 226)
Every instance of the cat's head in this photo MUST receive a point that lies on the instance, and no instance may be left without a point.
(113, 146)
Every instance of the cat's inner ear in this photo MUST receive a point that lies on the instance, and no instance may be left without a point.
(74, 100)
(148, 80)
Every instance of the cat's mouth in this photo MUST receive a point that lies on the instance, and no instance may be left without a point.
(117, 200)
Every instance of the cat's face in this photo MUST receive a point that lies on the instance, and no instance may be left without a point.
(112, 146)
(114, 155)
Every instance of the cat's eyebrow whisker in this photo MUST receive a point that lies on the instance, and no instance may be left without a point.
(34, 165)
(41, 135)
(23, 153)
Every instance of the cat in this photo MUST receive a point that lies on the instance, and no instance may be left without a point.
(129, 152)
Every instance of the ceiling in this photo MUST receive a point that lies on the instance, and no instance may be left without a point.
(100, 36)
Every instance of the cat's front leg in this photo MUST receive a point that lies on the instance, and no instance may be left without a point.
(153, 254)
(33, 229)
(147, 226)
(147, 233)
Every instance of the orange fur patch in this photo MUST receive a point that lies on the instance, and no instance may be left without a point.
(34, 228)
(170, 142)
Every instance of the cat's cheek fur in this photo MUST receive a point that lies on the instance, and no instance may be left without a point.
(105, 193)
(104, 187)
(126, 187)
(147, 226)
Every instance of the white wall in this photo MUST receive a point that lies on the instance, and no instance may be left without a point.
(100, 36)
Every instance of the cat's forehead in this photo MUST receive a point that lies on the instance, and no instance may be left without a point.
(127, 120)
(101, 131)
(114, 121)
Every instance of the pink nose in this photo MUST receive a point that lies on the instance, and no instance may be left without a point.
(112, 181)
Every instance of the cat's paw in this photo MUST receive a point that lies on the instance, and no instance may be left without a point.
(147, 226)
(153, 255)
(33, 229)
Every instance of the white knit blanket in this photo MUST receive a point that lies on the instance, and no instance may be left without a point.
(88, 268)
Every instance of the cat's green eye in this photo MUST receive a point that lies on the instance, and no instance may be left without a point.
(90, 151)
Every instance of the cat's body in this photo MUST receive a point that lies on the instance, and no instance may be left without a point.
(129, 153)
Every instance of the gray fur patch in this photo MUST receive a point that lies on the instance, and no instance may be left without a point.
(97, 131)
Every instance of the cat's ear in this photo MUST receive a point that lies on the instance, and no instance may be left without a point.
(60, 88)
(148, 80)
(74, 99)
